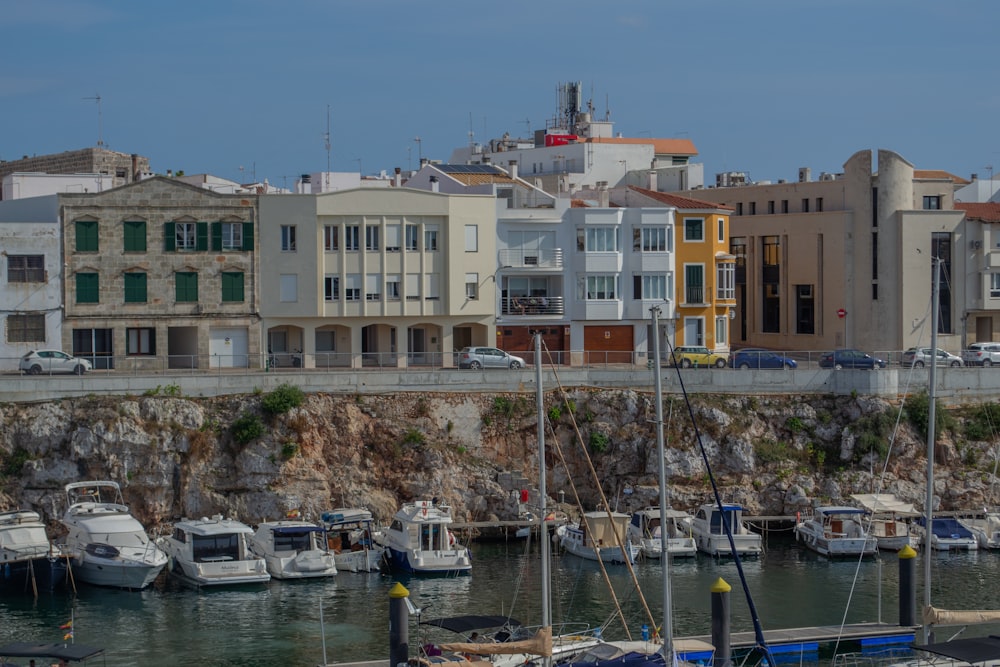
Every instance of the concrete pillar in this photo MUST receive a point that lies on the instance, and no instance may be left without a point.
(399, 625)
(720, 622)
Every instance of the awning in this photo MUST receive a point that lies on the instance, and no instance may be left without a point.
(972, 650)
(462, 624)
(65, 651)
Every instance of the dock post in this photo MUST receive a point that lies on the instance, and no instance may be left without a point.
(399, 625)
(720, 623)
(907, 586)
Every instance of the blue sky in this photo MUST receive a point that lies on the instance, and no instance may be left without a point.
(763, 86)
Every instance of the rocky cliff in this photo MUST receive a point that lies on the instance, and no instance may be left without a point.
(241, 456)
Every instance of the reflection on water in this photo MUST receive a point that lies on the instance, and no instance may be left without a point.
(280, 623)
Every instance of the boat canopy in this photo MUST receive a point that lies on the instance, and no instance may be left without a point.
(885, 503)
(972, 650)
(538, 644)
(75, 652)
(462, 624)
(947, 528)
(934, 616)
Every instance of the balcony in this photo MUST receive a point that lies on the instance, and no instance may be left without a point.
(543, 258)
(532, 305)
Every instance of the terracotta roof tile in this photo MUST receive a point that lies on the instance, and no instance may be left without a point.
(578, 203)
(680, 202)
(939, 174)
(988, 212)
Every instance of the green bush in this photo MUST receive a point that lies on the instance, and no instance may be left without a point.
(770, 451)
(555, 412)
(794, 424)
(413, 436)
(289, 449)
(282, 399)
(598, 442)
(248, 427)
(12, 465)
(983, 423)
(918, 414)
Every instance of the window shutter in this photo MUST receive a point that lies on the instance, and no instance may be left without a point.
(248, 236)
(216, 236)
(169, 237)
(201, 236)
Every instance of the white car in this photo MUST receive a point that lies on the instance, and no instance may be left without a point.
(982, 354)
(921, 356)
(38, 362)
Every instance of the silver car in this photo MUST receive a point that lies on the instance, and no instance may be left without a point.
(488, 357)
(982, 354)
(921, 356)
(38, 362)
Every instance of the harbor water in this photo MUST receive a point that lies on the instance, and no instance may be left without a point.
(280, 623)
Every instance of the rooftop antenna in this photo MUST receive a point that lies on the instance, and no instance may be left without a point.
(527, 125)
(420, 151)
(326, 137)
(607, 108)
(100, 122)
(472, 135)
(989, 170)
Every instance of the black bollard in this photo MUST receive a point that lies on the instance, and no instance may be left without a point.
(907, 586)
(399, 625)
(720, 623)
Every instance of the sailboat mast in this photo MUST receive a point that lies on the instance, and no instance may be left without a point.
(542, 492)
(666, 632)
(931, 430)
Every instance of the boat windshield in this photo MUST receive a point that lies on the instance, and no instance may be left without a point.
(216, 547)
(293, 541)
(128, 538)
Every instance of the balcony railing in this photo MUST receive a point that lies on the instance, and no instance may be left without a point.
(532, 305)
(545, 258)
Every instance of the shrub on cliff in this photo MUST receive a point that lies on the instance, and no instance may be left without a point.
(247, 428)
(282, 399)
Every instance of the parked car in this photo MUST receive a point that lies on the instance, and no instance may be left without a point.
(982, 354)
(757, 358)
(488, 357)
(850, 358)
(38, 362)
(694, 355)
(921, 356)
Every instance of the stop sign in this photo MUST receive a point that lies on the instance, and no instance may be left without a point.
(841, 313)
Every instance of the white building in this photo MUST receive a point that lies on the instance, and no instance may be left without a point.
(22, 185)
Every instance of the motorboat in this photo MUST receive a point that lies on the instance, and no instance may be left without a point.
(107, 545)
(350, 535)
(644, 530)
(709, 530)
(418, 541)
(28, 559)
(947, 534)
(594, 538)
(834, 531)
(213, 551)
(293, 549)
(888, 520)
(986, 529)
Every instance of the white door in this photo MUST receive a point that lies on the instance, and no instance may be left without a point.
(229, 348)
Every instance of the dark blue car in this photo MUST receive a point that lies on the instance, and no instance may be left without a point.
(755, 358)
(850, 359)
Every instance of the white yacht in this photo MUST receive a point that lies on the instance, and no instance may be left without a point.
(213, 552)
(947, 534)
(107, 545)
(594, 538)
(644, 530)
(293, 549)
(28, 559)
(418, 541)
(889, 520)
(708, 529)
(350, 535)
(985, 528)
(836, 531)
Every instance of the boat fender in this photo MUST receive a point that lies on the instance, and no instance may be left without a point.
(798, 517)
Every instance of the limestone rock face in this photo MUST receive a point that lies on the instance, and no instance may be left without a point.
(177, 457)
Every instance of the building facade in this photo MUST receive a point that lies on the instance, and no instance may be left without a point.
(123, 168)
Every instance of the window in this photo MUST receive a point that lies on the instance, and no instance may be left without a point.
(331, 238)
(694, 229)
(392, 238)
(770, 207)
(598, 288)
(352, 237)
(135, 288)
(932, 203)
(739, 208)
(412, 286)
(185, 235)
(753, 208)
(140, 341)
(232, 286)
(412, 234)
(28, 328)
(819, 204)
(651, 287)
(352, 288)
(135, 235)
(433, 286)
(186, 286)
(805, 205)
(472, 286)
(392, 287)
(288, 288)
(331, 288)
(373, 291)
(721, 225)
(288, 238)
(694, 283)
(653, 239)
(86, 236)
(597, 239)
(232, 236)
(371, 237)
(726, 279)
(784, 206)
(87, 288)
(721, 330)
(26, 268)
(471, 238)
(430, 238)
(804, 310)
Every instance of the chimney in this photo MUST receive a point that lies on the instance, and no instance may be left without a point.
(423, 161)
(975, 177)
(170, 173)
(513, 169)
(805, 173)
(486, 159)
(397, 180)
(602, 194)
(135, 168)
(652, 181)
(434, 184)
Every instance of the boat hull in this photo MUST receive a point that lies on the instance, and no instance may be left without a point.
(367, 560)
(224, 573)
(116, 572)
(424, 562)
(747, 546)
(308, 564)
(50, 574)
(607, 554)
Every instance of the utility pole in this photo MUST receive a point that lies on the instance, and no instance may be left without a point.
(100, 120)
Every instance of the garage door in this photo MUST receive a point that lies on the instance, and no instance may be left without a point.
(608, 344)
(228, 348)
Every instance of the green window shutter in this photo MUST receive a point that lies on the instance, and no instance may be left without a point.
(169, 237)
(201, 236)
(186, 287)
(135, 236)
(248, 236)
(216, 236)
(86, 236)
(135, 288)
(232, 287)
(87, 288)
